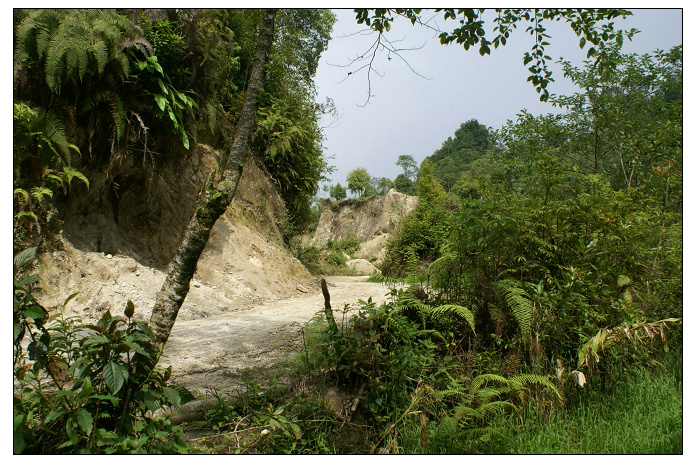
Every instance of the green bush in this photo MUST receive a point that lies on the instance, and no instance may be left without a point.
(76, 389)
(308, 254)
(348, 245)
(337, 259)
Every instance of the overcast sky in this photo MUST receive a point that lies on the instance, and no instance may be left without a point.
(414, 112)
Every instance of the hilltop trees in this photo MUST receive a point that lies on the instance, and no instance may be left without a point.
(453, 160)
(359, 181)
(337, 192)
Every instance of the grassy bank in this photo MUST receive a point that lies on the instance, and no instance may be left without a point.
(641, 414)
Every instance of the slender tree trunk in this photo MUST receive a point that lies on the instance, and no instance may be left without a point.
(216, 200)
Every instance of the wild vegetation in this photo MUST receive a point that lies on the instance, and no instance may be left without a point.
(535, 291)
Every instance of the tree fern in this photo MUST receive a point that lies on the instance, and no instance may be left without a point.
(516, 299)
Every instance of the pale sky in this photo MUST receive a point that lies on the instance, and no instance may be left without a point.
(414, 115)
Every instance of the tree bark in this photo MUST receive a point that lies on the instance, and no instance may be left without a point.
(215, 201)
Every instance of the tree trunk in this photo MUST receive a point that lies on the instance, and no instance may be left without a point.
(216, 200)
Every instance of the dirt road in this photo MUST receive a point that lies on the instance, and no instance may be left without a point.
(212, 353)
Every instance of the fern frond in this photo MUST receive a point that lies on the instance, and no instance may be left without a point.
(387, 281)
(482, 379)
(458, 310)
(71, 173)
(72, 43)
(39, 192)
(488, 393)
(434, 333)
(50, 125)
(452, 392)
(488, 409)
(519, 303)
(30, 214)
(525, 380)
(484, 434)
(462, 411)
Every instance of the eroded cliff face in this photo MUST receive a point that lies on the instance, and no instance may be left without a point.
(120, 236)
(372, 222)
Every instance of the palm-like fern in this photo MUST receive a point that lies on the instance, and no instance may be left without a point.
(41, 133)
(486, 396)
(518, 301)
(407, 301)
(74, 44)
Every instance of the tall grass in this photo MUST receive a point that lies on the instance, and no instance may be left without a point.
(641, 415)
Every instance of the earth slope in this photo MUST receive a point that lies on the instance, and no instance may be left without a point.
(116, 249)
(372, 222)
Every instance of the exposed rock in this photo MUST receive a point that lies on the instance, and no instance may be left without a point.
(372, 222)
(362, 266)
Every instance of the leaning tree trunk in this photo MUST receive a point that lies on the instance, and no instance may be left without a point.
(214, 201)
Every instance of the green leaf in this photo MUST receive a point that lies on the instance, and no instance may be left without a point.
(25, 256)
(17, 442)
(35, 312)
(130, 309)
(161, 101)
(96, 340)
(84, 419)
(37, 351)
(296, 431)
(53, 414)
(70, 298)
(622, 281)
(142, 326)
(172, 396)
(184, 394)
(27, 280)
(87, 388)
(151, 401)
(163, 87)
(114, 400)
(133, 345)
(115, 376)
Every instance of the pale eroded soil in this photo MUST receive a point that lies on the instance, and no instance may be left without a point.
(212, 353)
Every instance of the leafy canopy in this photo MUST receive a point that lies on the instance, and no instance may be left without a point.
(593, 26)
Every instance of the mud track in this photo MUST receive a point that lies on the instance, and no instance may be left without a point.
(213, 353)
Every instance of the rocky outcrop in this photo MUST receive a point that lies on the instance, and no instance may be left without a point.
(372, 222)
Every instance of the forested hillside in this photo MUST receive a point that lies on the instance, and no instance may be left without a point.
(534, 294)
